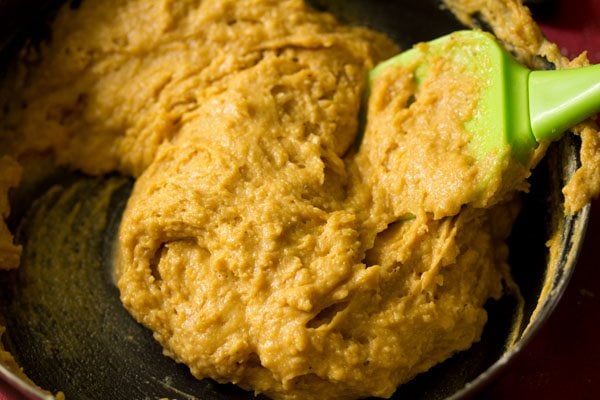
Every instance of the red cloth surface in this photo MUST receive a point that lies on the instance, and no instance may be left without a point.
(563, 359)
(8, 393)
(575, 27)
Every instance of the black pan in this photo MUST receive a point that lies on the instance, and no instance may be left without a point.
(68, 330)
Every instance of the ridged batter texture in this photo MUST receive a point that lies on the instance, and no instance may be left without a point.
(262, 250)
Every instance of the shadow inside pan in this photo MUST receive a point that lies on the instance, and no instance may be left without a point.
(66, 325)
(69, 331)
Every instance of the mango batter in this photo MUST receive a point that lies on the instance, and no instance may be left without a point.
(258, 244)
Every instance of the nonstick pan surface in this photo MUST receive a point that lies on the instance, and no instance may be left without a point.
(66, 325)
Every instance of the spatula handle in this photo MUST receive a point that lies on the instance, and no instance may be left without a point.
(562, 98)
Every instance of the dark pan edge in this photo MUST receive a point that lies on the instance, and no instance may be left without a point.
(573, 231)
(22, 387)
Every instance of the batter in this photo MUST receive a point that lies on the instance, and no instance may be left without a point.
(259, 245)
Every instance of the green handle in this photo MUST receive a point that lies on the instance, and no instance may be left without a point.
(562, 98)
(516, 107)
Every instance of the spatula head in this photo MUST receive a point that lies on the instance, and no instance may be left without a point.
(499, 127)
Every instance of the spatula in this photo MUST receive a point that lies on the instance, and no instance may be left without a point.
(517, 106)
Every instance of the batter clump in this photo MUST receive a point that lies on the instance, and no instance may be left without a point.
(262, 250)
(260, 245)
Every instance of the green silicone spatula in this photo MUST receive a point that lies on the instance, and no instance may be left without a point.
(517, 106)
